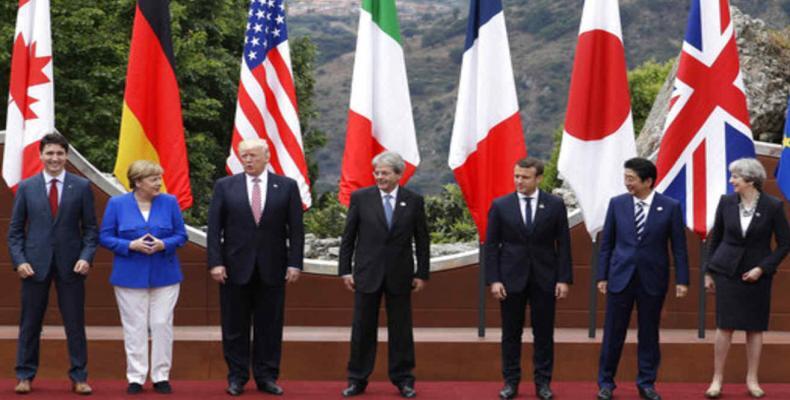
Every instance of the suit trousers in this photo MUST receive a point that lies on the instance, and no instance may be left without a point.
(262, 307)
(364, 337)
(142, 311)
(71, 302)
(542, 307)
(618, 316)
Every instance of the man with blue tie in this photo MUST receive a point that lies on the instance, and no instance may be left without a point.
(633, 267)
(52, 237)
(383, 223)
(255, 245)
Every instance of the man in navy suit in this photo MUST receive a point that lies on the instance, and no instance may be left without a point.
(52, 237)
(528, 260)
(255, 245)
(633, 267)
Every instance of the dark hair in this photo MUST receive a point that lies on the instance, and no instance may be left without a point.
(53, 138)
(643, 168)
(531, 162)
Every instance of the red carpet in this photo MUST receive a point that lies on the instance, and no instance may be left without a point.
(210, 390)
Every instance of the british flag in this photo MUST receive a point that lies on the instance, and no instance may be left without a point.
(707, 126)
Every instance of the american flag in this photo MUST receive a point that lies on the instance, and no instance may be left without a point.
(707, 126)
(266, 105)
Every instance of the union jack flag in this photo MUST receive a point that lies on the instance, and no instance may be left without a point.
(266, 105)
(707, 126)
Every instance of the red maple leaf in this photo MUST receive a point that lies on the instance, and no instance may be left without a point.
(26, 70)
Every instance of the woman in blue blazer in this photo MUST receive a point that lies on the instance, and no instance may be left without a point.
(143, 229)
(741, 265)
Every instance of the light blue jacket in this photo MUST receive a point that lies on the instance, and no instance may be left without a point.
(123, 222)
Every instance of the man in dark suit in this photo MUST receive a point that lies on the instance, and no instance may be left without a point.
(528, 260)
(52, 237)
(382, 223)
(633, 267)
(255, 245)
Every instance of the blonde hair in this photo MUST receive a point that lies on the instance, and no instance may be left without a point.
(253, 143)
(142, 169)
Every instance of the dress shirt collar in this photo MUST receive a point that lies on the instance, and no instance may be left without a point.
(647, 200)
(262, 177)
(534, 195)
(48, 178)
(393, 193)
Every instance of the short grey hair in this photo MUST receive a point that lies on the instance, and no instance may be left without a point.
(253, 143)
(750, 170)
(390, 159)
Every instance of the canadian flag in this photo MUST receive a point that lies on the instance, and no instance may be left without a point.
(599, 132)
(487, 137)
(31, 103)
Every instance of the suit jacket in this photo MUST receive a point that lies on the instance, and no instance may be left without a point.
(235, 241)
(730, 251)
(123, 222)
(622, 255)
(35, 237)
(513, 252)
(380, 254)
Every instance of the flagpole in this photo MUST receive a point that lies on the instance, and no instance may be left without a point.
(593, 303)
(481, 300)
(703, 255)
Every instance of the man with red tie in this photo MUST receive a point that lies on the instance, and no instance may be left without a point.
(52, 237)
(255, 245)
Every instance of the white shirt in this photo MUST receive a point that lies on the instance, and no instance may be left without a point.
(532, 203)
(393, 193)
(48, 183)
(263, 177)
(647, 200)
(146, 214)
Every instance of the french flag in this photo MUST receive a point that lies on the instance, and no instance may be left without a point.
(487, 137)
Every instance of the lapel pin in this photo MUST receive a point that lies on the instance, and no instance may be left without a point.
(659, 208)
(403, 204)
(756, 214)
(541, 205)
(275, 185)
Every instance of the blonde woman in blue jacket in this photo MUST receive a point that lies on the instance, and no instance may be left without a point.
(143, 229)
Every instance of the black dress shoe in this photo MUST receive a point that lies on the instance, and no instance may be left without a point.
(407, 391)
(271, 388)
(649, 394)
(508, 392)
(353, 389)
(543, 392)
(163, 387)
(604, 394)
(235, 389)
(134, 388)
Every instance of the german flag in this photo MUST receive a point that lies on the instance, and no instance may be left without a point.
(151, 123)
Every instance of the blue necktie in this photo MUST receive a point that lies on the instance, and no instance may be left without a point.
(388, 209)
(639, 219)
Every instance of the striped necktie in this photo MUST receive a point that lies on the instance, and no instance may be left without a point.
(639, 219)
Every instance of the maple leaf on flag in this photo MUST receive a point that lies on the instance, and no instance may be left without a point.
(25, 73)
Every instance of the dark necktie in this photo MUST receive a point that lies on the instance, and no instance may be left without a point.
(53, 197)
(639, 219)
(388, 209)
(528, 212)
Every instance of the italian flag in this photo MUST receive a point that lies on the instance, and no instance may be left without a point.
(379, 116)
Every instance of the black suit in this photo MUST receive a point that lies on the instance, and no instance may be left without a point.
(52, 247)
(256, 258)
(741, 305)
(529, 261)
(384, 264)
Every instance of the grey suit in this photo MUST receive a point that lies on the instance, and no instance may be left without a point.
(52, 246)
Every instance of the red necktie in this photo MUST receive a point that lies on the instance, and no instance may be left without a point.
(53, 197)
